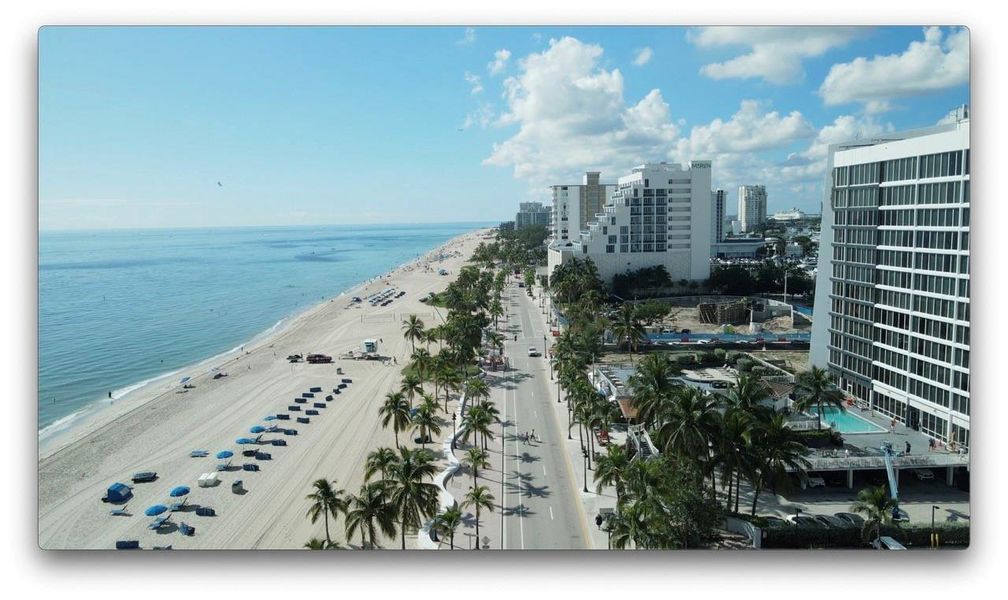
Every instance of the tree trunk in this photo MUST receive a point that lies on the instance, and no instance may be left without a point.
(728, 505)
(477, 528)
(756, 492)
(738, 488)
(325, 515)
(402, 535)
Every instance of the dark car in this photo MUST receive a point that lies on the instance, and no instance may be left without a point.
(775, 523)
(804, 522)
(900, 516)
(144, 476)
(831, 521)
(851, 518)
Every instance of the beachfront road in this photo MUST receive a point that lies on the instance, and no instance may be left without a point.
(541, 508)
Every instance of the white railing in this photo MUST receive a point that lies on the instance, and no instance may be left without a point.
(939, 459)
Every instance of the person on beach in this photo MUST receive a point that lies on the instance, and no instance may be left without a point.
(534, 438)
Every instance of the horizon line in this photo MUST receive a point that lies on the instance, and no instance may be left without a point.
(195, 227)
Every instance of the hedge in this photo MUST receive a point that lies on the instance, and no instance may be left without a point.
(911, 536)
(744, 365)
(820, 438)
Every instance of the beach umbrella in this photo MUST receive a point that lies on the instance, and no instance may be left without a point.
(225, 454)
(179, 491)
(257, 429)
(244, 441)
(157, 509)
(185, 380)
(270, 418)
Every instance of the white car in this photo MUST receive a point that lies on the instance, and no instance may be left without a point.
(533, 351)
(924, 474)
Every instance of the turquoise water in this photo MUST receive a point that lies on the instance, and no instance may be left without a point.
(119, 308)
(846, 422)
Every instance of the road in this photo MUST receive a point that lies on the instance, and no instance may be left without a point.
(542, 509)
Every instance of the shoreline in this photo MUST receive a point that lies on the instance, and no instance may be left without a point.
(101, 412)
(157, 428)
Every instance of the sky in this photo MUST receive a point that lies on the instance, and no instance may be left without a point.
(202, 126)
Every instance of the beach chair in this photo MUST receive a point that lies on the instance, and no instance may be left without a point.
(127, 545)
(301, 400)
(346, 380)
(249, 453)
(263, 456)
(159, 522)
(336, 391)
(311, 412)
(328, 398)
(304, 420)
(119, 512)
(290, 432)
(186, 529)
(205, 511)
(294, 408)
(168, 547)
(283, 417)
(198, 454)
(225, 466)
(279, 442)
(236, 486)
(319, 404)
(315, 389)
(307, 395)
(250, 467)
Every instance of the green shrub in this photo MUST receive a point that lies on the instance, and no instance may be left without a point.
(744, 365)
(720, 354)
(911, 536)
(685, 360)
(733, 356)
(705, 357)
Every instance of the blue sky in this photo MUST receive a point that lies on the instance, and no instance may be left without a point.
(362, 125)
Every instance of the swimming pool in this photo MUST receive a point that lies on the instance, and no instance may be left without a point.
(846, 421)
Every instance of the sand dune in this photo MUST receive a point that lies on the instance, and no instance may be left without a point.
(156, 427)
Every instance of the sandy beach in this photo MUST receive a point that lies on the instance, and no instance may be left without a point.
(155, 427)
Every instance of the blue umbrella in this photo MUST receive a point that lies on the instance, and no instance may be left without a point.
(185, 379)
(244, 441)
(225, 454)
(157, 509)
(257, 429)
(270, 418)
(179, 491)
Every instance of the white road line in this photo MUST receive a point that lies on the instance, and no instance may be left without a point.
(521, 504)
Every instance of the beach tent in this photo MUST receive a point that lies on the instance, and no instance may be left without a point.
(118, 492)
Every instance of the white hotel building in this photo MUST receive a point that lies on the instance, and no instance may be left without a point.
(659, 214)
(893, 286)
(752, 212)
(575, 206)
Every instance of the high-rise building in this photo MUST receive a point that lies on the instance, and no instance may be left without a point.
(751, 207)
(659, 214)
(575, 206)
(893, 286)
(532, 213)
(717, 218)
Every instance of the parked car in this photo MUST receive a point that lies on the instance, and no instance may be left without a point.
(533, 352)
(924, 474)
(144, 476)
(775, 523)
(802, 521)
(831, 521)
(852, 518)
(886, 543)
(900, 516)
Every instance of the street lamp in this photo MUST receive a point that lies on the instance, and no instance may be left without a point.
(454, 418)
(584, 452)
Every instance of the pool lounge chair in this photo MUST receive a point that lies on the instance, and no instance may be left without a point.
(119, 512)
(198, 454)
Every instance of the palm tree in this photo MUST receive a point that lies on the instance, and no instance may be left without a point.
(478, 497)
(877, 506)
(379, 461)
(451, 518)
(422, 363)
(476, 389)
(369, 509)
(813, 388)
(610, 469)
(413, 498)
(476, 458)
(496, 310)
(395, 410)
(411, 386)
(317, 544)
(651, 386)
(426, 421)
(776, 451)
(627, 326)
(690, 426)
(326, 500)
(413, 330)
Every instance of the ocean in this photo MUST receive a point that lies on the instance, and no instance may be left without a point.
(120, 308)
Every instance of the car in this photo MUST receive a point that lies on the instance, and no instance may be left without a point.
(852, 518)
(924, 474)
(831, 521)
(900, 516)
(886, 543)
(775, 523)
(685, 331)
(533, 352)
(144, 476)
(815, 482)
(800, 521)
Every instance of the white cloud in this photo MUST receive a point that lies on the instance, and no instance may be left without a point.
(467, 38)
(748, 130)
(938, 62)
(810, 165)
(643, 56)
(499, 63)
(482, 116)
(775, 53)
(572, 117)
(474, 82)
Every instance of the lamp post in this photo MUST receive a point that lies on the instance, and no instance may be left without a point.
(544, 345)
(584, 452)
(454, 418)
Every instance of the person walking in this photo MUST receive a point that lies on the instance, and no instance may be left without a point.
(534, 438)
(908, 447)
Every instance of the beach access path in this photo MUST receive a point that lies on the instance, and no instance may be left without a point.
(155, 429)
